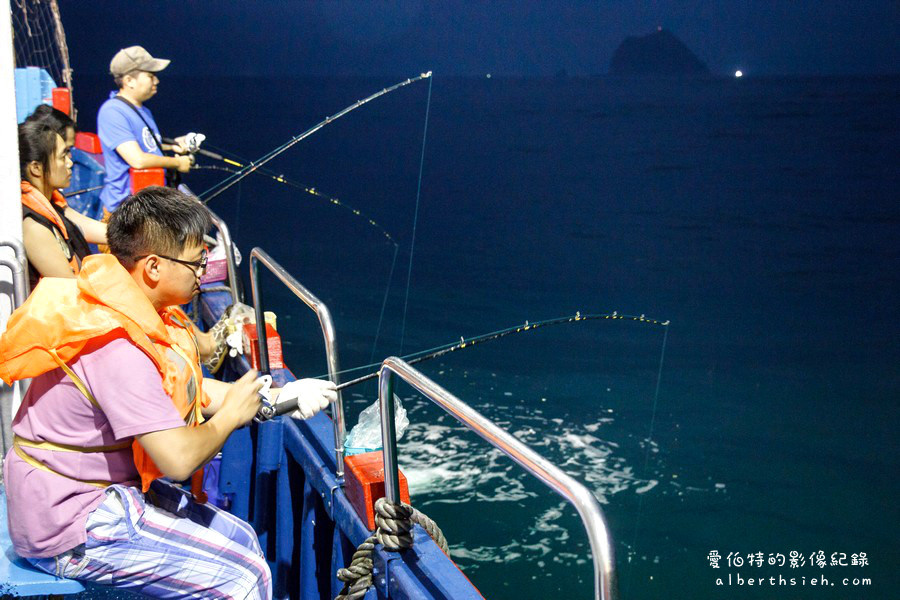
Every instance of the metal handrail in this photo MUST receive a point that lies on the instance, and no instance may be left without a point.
(226, 241)
(258, 255)
(19, 269)
(229, 256)
(574, 492)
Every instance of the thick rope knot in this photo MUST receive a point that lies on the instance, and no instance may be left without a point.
(394, 527)
(393, 531)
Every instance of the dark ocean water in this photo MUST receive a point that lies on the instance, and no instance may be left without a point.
(759, 216)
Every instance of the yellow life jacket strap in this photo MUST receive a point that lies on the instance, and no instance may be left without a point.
(75, 378)
(39, 465)
(69, 448)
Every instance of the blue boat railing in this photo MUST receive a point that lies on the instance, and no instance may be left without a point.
(258, 256)
(574, 492)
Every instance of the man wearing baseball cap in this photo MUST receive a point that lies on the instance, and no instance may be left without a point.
(128, 134)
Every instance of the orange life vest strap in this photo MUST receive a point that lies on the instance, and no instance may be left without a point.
(37, 202)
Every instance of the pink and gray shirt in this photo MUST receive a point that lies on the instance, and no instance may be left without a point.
(47, 512)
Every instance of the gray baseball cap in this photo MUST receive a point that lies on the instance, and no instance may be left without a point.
(135, 58)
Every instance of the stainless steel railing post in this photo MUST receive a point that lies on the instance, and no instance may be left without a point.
(18, 266)
(261, 337)
(229, 247)
(229, 257)
(19, 269)
(388, 435)
(574, 492)
(259, 256)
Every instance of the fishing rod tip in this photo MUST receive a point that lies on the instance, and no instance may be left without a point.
(428, 74)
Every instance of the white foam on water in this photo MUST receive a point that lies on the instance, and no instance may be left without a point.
(447, 464)
(646, 488)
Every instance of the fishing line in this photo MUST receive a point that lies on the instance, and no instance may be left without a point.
(253, 166)
(309, 190)
(336, 202)
(437, 351)
(649, 440)
(387, 289)
(423, 355)
(412, 245)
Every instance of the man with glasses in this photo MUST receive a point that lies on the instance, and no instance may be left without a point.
(116, 402)
(128, 134)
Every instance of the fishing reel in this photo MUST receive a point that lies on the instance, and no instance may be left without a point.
(267, 409)
(192, 141)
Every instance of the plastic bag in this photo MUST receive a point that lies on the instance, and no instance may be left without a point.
(366, 435)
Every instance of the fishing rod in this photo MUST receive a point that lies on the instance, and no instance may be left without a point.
(275, 177)
(253, 166)
(200, 151)
(84, 191)
(272, 411)
(310, 190)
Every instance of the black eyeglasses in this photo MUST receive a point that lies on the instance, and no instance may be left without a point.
(198, 266)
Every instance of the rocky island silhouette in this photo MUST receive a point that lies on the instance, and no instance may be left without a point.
(660, 53)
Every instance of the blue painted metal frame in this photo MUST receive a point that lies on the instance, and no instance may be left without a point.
(280, 476)
(18, 577)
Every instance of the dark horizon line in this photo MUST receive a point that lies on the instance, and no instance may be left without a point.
(399, 76)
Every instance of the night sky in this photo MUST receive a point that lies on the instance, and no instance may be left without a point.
(453, 37)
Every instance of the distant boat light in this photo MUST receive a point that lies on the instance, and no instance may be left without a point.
(738, 73)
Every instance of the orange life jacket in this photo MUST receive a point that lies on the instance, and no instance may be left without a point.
(37, 202)
(61, 316)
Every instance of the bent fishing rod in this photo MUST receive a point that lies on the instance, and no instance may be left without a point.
(255, 165)
(294, 184)
(272, 411)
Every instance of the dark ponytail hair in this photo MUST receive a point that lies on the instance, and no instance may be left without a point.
(37, 142)
(57, 119)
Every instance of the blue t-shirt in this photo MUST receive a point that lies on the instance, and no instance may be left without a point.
(117, 123)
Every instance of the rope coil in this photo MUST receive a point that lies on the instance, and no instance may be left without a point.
(393, 531)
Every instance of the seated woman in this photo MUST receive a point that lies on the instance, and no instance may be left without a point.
(55, 236)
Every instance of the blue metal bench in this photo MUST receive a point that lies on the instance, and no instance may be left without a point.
(18, 578)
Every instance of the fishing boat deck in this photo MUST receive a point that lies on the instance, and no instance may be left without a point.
(18, 577)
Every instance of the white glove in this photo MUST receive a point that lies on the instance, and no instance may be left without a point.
(266, 390)
(235, 343)
(192, 141)
(312, 395)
